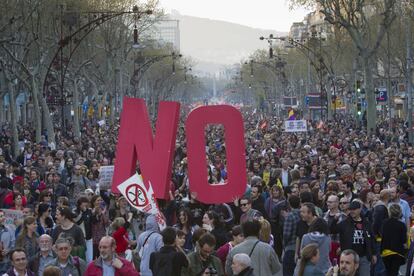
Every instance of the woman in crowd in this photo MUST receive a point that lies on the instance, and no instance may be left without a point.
(237, 238)
(83, 218)
(265, 234)
(18, 201)
(213, 223)
(186, 225)
(44, 220)
(27, 237)
(309, 259)
(318, 235)
(276, 196)
(99, 222)
(394, 239)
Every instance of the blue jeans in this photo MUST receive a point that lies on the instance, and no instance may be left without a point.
(379, 268)
(289, 263)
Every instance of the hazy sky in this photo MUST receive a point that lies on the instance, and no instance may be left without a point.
(264, 14)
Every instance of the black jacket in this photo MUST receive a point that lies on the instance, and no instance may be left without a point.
(167, 262)
(346, 228)
(380, 214)
(394, 236)
(248, 271)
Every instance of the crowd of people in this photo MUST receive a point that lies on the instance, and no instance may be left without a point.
(329, 201)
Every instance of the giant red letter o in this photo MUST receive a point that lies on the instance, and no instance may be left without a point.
(232, 121)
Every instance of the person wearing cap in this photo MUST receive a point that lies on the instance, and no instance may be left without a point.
(355, 233)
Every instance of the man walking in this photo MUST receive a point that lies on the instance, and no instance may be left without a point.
(108, 263)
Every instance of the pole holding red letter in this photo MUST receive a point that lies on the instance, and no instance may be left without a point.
(232, 121)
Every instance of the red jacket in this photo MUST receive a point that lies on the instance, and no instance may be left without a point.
(95, 268)
(121, 238)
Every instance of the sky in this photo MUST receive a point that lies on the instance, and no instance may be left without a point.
(263, 14)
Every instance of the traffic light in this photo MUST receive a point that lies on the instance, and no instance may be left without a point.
(359, 109)
(358, 86)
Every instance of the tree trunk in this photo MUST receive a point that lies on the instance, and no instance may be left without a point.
(371, 114)
(36, 106)
(13, 118)
(48, 121)
(76, 126)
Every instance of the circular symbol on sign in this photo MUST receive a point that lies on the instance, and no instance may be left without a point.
(136, 195)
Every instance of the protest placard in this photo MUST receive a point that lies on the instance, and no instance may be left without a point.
(105, 177)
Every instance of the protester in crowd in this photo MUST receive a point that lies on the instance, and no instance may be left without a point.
(68, 264)
(309, 260)
(257, 199)
(52, 271)
(308, 215)
(393, 242)
(44, 219)
(265, 234)
(241, 265)
(289, 235)
(169, 260)
(248, 212)
(83, 218)
(214, 223)
(27, 237)
(66, 226)
(108, 262)
(318, 234)
(203, 258)
(99, 222)
(44, 256)
(19, 264)
(120, 234)
(186, 225)
(148, 242)
(348, 266)
(263, 257)
(405, 208)
(237, 238)
(355, 233)
(8, 242)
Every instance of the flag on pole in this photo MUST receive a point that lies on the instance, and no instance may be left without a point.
(291, 115)
(141, 198)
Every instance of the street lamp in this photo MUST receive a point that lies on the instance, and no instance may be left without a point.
(136, 45)
(74, 39)
(317, 59)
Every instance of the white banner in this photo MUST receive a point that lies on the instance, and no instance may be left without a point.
(296, 126)
(137, 195)
(13, 218)
(105, 177)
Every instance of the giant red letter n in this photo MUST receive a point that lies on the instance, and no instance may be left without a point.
(137, 142)
(232, 121)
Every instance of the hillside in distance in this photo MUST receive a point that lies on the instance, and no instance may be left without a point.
(214, 43)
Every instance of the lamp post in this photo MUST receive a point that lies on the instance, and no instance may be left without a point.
(74, 39)
(142, 68)
(317, 59)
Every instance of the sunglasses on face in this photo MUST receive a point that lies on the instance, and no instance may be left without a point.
(244, 204)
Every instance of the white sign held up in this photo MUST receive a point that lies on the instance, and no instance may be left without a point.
(105, 177)
(141, 198)
(296, 126)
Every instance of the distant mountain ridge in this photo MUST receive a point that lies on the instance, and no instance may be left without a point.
(218, 42)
